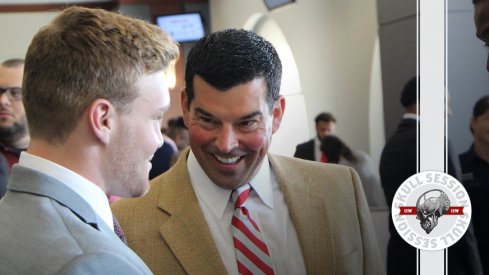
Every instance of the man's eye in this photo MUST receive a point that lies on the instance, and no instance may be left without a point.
(16, 91)
(248, 123)
(206, 120)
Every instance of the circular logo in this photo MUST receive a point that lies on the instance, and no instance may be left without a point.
(431, 210)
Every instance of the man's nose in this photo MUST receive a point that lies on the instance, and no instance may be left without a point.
(4, 99)
(226, 139)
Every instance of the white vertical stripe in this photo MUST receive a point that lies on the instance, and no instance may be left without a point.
(432, 105)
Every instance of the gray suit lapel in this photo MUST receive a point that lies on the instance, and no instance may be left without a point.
(26, 180)
(308, 213)
(30, 181)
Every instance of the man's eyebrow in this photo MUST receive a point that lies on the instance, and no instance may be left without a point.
(203, 112)
(248, 116)
(257, 113)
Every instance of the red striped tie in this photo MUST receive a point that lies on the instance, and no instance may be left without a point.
(251, 250)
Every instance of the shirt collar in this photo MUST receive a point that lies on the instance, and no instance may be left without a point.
(14, 150)
(89, 191)
(317, 142)
(217, 198)
(410, 116)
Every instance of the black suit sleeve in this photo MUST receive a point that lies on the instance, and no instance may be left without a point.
(305, 150)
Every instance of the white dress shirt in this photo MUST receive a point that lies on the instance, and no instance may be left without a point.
(90, 192)
(317, 149)
(267, 207)
(410, 116)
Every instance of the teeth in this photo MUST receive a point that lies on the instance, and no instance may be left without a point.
(227, 160)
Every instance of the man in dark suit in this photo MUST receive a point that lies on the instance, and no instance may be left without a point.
(475, 175)
(397, 163)
(310, 150)
(94, 92)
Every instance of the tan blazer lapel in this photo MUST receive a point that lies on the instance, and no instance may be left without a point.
(186, 232)
(308, 214)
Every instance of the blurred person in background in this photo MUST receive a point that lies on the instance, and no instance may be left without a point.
(475, 175)
(178, 132)
(397, 163)
(163, 158)
(14, 134)
(4, 172)
(338, 152)
(311, 150)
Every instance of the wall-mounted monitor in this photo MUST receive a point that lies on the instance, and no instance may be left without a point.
(272, 4)
(183, 27)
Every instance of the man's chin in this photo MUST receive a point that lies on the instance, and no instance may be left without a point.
(133, 193)
(138, 193)
(8, 129)
(143, 192)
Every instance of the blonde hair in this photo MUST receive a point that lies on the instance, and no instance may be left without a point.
(85, 54)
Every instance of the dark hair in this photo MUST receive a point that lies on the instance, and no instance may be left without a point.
(177, 123)
(327, 117)
(13, 63)
(334, 148)
(480, 107)
(408, 94)
(227, 58)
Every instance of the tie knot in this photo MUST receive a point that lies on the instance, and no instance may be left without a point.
(240, 195)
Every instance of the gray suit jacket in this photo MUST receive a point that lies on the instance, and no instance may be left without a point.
(46, 228)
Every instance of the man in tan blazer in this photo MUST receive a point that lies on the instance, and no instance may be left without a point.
(313, 217)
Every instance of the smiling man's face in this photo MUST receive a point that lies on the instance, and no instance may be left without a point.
(230, 131)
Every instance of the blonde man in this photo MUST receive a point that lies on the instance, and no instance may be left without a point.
(94, 94)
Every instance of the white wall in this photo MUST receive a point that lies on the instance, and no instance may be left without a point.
(333, 43)
(397, 33)
(17, 31)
